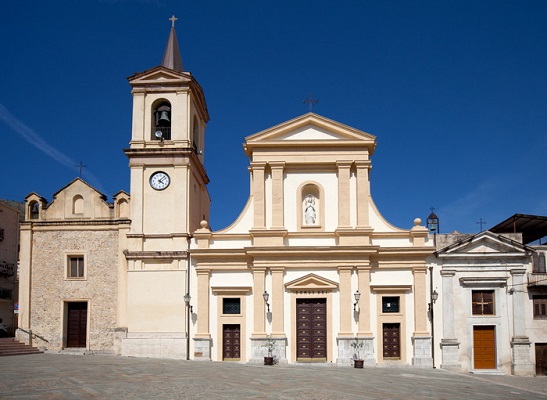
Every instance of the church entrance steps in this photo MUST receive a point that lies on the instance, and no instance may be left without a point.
(13, 347)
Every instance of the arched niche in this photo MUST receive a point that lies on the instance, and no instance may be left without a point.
(78, 204)
(161, 120)
(311, 210)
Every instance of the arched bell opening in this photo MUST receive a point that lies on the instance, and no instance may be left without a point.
(161, 120)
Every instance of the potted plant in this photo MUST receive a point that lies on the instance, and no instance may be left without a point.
(357, 346)
(270, 345)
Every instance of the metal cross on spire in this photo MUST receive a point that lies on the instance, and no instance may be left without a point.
(81, 165)
(173, 19)
(310, 101)
(481, 223)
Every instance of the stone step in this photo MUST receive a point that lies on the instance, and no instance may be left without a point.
(13, 347)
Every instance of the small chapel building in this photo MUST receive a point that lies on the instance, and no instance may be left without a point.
(310, 264)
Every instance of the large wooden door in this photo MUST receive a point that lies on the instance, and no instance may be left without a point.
(76, 329)
(541, 359)
(231, 342)
(391, 341)
(484, 347)
(311, 329)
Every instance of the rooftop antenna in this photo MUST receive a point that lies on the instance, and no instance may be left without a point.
(310, 101)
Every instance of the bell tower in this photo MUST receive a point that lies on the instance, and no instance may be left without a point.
(166, 154)
(169, 198)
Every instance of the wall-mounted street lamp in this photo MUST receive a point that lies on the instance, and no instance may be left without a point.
(187, 299)
(266, 297)
(434, 297)
(357, 296)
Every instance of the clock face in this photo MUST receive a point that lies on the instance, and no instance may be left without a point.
(159, 180)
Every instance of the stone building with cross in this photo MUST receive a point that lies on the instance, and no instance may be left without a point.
(492, 304)
(309, 265)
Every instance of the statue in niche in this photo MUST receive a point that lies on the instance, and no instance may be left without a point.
(310, 214)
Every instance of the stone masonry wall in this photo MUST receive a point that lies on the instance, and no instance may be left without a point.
(50, 288)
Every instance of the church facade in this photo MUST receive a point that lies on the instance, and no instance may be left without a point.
(309, 267)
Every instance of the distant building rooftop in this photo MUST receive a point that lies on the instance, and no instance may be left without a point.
(532, 227)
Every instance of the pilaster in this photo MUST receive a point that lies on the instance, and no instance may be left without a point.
(259, 315)
(363, 193)
(202, 329)
(420, 301)
(278, 308)
(343, 193)
(450, 346)
(346, 305)
(520, 343)
(421, 339)
(277, 194)
(202, 339)
(258, 190)
(363, 307)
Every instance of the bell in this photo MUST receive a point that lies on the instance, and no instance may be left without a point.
(164, 117)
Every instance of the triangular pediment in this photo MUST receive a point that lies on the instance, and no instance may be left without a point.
(159, 75)
(483, 243)
(308, 129)
(82, 186)
(311, 282)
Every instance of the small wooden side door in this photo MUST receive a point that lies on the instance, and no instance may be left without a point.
(541, 358)
(76, 331)
(231, 342)
(391, 341)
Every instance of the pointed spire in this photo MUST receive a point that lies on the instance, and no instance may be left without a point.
(171, 56)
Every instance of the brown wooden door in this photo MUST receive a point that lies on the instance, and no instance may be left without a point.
(231, 342)
(484, 347)
(311, 329)
(76, 331)
(391, 334)
(541, 359)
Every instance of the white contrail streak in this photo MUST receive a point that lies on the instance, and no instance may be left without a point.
(37, 141)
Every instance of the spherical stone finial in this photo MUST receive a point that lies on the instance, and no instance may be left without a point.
(203, 224)
(417, 221)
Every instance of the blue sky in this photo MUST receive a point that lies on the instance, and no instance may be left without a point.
(455, 91)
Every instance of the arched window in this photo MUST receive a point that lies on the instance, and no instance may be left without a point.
(310, 204)
(77, 204)
(161, 120)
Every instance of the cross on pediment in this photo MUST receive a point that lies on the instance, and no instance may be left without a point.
(310, 101)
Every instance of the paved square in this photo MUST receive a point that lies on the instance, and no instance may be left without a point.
(56, 376)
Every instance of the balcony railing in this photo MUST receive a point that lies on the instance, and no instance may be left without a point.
(7, 268)
(537, 279)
